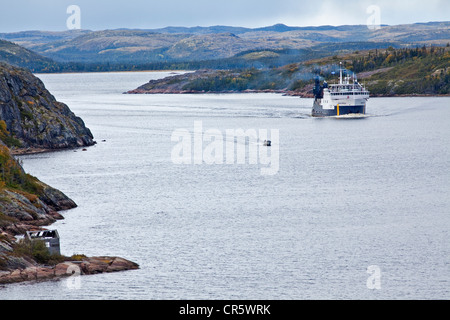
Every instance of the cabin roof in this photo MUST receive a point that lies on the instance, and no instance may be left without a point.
(43, 234)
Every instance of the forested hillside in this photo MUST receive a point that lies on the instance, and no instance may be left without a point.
(420, 70)
(405, 71)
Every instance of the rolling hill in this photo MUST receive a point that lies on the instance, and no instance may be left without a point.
(175, 44)
(21, 57)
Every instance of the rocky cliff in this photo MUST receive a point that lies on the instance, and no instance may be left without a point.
(25, 204)
(33, 117)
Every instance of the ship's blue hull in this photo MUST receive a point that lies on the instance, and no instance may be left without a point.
(318, 111)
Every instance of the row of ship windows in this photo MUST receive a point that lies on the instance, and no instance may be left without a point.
(347, 93)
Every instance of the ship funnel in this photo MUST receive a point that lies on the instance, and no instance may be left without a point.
(318, 89)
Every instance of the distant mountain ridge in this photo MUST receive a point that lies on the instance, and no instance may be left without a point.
(204, 43)
(275, 28)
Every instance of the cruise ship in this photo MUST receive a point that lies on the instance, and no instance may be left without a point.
(346, 97)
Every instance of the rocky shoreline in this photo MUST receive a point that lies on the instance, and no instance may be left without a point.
(225, 82)
(32, 121)
(28, 151)
(20, 212)
(300, 94)
(85, 266)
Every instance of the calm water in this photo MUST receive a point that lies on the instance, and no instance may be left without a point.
(349, 194)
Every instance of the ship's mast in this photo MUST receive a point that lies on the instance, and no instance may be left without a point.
(340, 72)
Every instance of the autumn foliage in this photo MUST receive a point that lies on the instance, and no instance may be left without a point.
(12, 176)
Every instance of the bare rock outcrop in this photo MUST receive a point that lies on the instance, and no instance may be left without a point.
(86, 266)
(33, 117)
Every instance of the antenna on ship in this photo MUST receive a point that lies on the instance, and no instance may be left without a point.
(340, 72)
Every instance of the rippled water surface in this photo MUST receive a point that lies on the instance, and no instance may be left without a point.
(349, 194)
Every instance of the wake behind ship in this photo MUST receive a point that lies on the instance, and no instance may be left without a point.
(339, 99)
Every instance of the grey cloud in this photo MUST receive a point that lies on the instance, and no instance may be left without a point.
(19, 15)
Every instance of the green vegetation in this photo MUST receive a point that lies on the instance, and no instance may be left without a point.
(425, 71)
(255, 58)
(13, 177)
(227, 81)
(19, 56)
(197, 55)
(6, 137)
(277, 79)
(4, 219)
(77, 257)
(176, 45)
(37, 251)
(218, 47)
(405, 71)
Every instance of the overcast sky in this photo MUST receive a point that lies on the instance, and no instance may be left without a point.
(20, 15)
